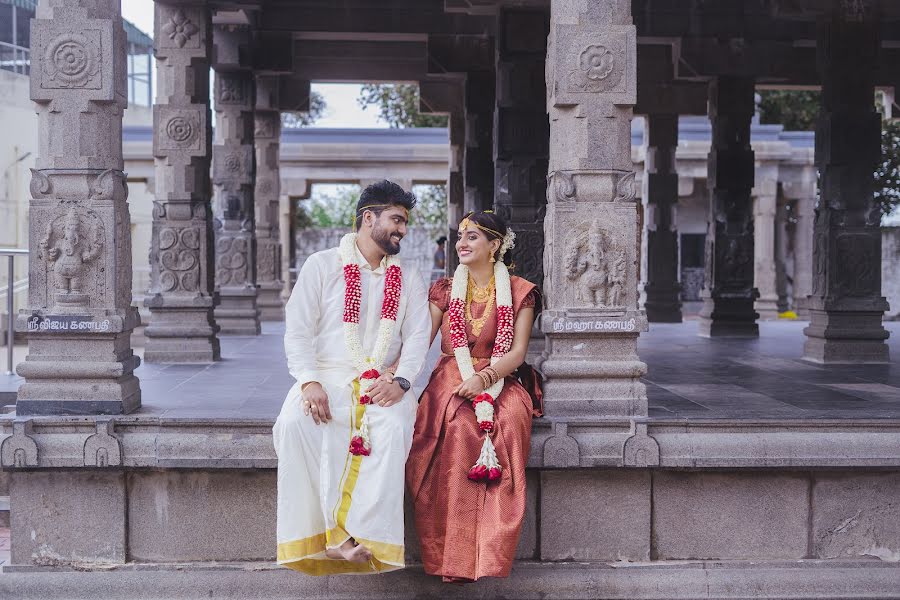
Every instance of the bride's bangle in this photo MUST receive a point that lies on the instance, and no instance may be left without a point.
(493, 374)
(485, 380)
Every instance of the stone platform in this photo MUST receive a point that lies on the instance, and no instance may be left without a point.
(755, 475)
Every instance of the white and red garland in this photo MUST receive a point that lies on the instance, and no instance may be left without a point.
(369, 366)
(487, 466)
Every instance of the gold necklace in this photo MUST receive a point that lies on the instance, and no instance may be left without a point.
(481, 296)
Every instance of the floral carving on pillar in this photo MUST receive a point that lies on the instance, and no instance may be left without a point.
(72, 60)
(179, 28)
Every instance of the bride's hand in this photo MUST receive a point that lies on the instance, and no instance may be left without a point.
(471, 387)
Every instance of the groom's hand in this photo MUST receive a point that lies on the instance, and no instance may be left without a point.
(385, 392)
(315, 403)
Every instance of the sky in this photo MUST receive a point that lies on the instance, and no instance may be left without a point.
(341, 109)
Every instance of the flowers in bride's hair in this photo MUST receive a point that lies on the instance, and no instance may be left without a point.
(509, 242)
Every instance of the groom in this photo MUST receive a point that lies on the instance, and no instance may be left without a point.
(357, 332)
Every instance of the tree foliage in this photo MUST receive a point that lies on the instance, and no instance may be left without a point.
(398, 105)
(335, 208)
(317, 106)
(887, 175)
(795, 109)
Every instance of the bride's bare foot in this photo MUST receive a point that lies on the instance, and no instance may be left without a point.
(350, 551)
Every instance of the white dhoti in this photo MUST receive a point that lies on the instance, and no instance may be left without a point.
(327, 495)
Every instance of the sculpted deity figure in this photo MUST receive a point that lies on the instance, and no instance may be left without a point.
(617, 280)
(70, 254)
(586, 265)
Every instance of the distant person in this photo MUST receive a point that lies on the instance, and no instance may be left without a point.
(356, 335)
(440, 254)
(466, 469)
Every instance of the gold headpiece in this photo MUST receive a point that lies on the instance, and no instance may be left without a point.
(507, 241)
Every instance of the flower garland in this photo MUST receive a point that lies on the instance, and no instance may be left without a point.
(368, 366)
(487, 466)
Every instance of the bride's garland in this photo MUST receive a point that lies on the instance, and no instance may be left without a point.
(487, 466)
(369, 367)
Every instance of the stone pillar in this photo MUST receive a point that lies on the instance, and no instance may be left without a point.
(181, 297)
(804, 211)
(764, 271)
(728, 291)
(592, 228)
(522, 135)
(233, 180)
(267, 190)
(663, 303)
(286, 218)
(478, 167)
(79, 317)
(781, 252)
(846, 306)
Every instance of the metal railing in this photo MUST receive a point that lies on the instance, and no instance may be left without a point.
(15, 58)
(11, 254)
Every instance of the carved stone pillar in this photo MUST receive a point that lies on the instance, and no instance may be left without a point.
(522, 135)
(728, 291)
(233, 180)
(267, 139)
(478, 167)
(286, 218)
(846, 306)
(79, 317)
(663, 304)
(181, 295)
(592, 228)
(804, 215)
(764, 271)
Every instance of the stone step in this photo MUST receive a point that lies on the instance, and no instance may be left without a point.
(798, 580)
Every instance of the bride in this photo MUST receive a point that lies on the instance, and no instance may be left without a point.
(466, 469)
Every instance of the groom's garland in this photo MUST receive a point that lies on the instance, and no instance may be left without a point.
(369, 367)
(487, 466)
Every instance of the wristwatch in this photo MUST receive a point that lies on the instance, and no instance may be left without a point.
(404, 383)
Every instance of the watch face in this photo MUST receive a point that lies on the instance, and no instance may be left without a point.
(403, 383)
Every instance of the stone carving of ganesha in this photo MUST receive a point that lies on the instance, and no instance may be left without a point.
(597, 267)
(69, 254)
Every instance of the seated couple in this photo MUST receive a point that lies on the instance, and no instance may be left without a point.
(351, 435)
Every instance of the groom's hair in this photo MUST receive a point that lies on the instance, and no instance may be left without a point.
(380, 196)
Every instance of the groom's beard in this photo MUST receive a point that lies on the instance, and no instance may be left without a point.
(382, 237)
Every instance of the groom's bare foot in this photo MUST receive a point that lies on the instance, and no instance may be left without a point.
(350, 551)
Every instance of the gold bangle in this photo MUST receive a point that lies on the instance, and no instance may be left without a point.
(494, 375)
(484, 379)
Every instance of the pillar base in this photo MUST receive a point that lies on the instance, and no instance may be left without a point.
(836, 337)
(269, 302)
(591, 367)
(237, 313)
(181, 330)
(663, 305)
(78, 365)
(728, 317)
(767, 308)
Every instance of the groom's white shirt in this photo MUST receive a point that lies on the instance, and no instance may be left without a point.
(314, 334)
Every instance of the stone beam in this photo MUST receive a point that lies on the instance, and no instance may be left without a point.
(659, 92)
(233, 181)
(728, 293)
(359, 60)
(363, 18)
(846, 306)
(181, 297)
(459, 53)
(79, 316)
(522, 134)
(592, 228)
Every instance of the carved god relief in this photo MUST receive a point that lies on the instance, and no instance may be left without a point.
(231, 261)
(597, 265)
(70, 248)
(266, 125)
(231, 90)
(267, 261)
(72, 60)
(857, 261)
(179, 259)
(734, 260)
(179, 29)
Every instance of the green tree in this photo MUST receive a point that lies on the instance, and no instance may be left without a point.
(887, 175)
(795, 109)
(317, 106)
(431, 208)
(329, 209)
(398, 105)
